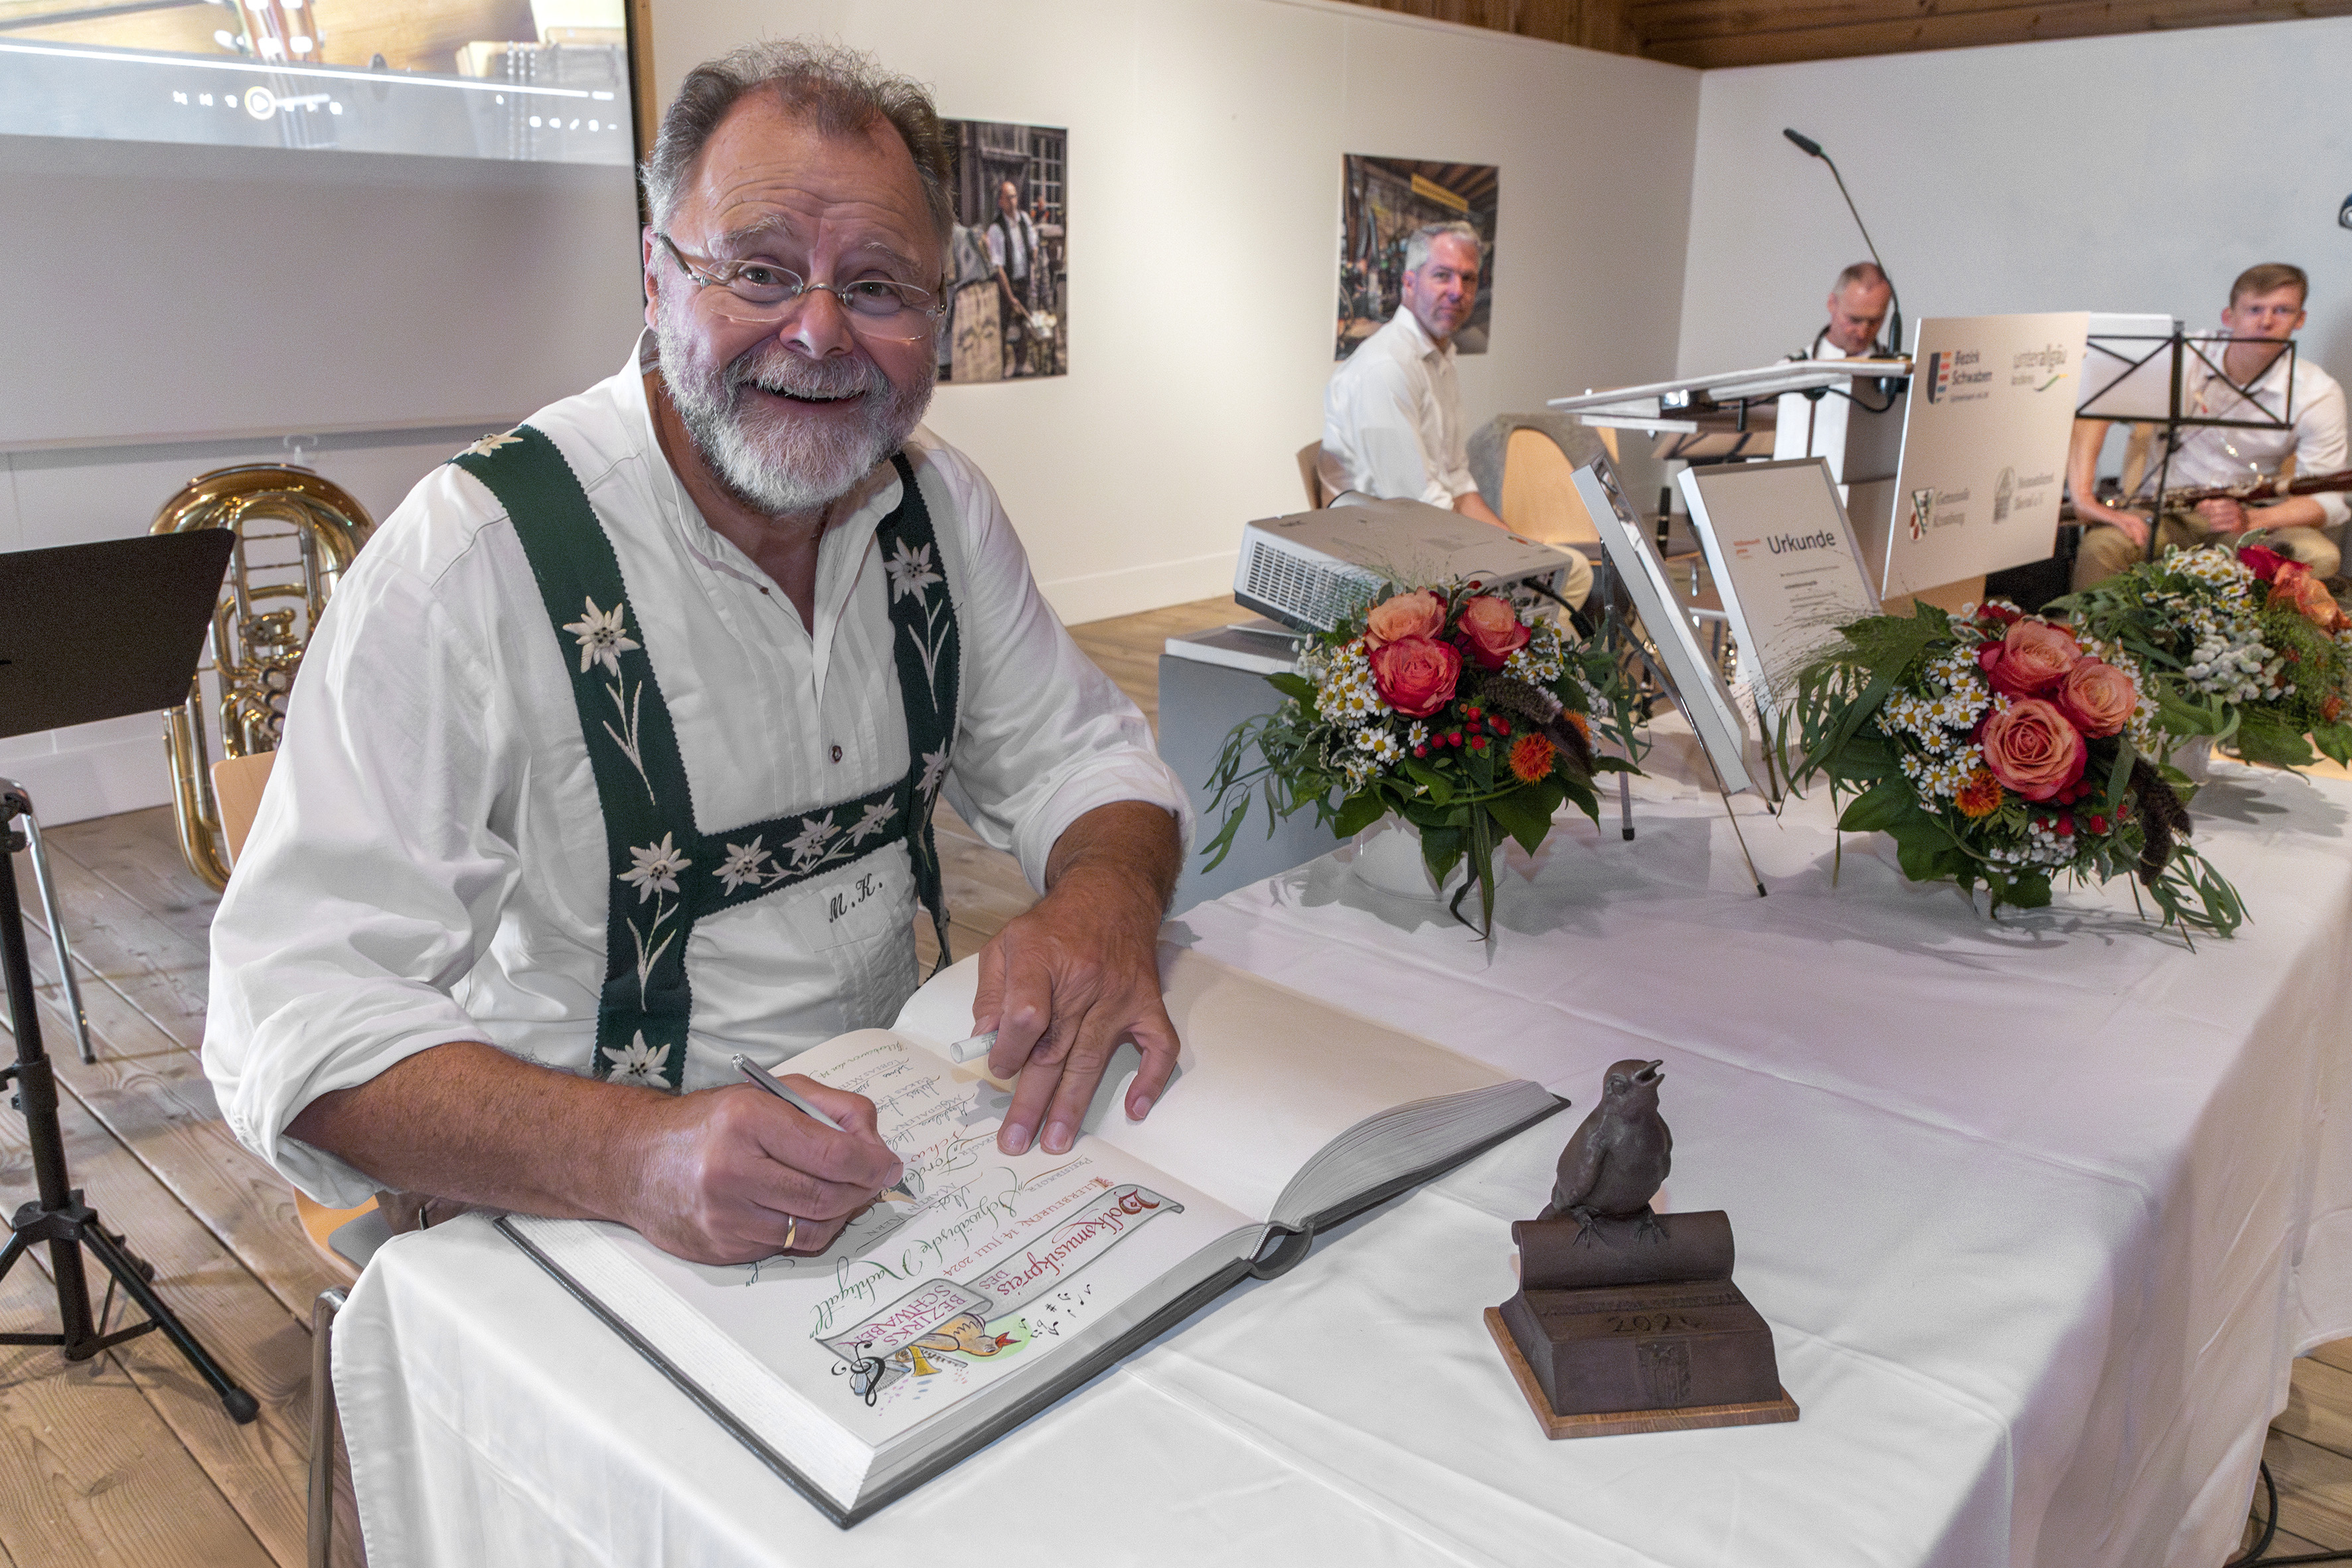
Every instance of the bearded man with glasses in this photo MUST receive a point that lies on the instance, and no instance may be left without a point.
(616, 755)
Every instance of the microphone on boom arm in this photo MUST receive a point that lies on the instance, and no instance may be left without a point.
(1812, 149)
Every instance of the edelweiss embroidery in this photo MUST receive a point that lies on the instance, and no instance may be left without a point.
(490, 444)
(638, 1061)
(601, 639)
(676, 872)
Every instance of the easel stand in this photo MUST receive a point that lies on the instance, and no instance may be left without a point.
(58, 1215)
(1617, 639)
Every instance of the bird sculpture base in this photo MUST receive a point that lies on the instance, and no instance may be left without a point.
(1636, 1326)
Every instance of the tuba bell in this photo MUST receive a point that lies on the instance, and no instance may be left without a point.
(296, 534)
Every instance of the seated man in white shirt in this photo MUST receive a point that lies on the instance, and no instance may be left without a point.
(1857, 305)
(497, 933)
(2266, 302)
(1392, 413)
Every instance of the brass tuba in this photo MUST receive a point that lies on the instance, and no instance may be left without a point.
(255, 650)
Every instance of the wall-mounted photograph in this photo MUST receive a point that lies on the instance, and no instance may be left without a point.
(1009, 257)
(1383, 201)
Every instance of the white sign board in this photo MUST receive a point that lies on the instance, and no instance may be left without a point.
(1984, 447)
(1785, 559)
(1696, 685)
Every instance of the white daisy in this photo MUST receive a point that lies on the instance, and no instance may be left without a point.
(658, 866)
(602, 640)
(637, 1060)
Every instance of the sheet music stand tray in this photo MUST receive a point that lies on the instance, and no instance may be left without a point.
(2176, 348)
(90, 632)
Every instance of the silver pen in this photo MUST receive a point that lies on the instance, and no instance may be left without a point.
(769, 1081)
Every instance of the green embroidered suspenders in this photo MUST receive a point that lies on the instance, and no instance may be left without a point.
(667, 874)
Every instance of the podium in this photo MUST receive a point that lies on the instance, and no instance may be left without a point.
(1860, 435)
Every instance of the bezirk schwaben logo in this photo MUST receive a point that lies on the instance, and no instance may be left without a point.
(1953, 378)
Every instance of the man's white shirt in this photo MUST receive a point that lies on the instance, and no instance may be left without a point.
(1393, 418)
(2212, 454)
(429, 863)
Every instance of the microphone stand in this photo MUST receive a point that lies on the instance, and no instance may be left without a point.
(1812, 149)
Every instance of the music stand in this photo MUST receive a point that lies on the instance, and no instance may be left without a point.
(91, 632)
(2148, 386)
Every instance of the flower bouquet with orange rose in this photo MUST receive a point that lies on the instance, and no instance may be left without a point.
(1997, 748)
(1466, 713)
(2241, 645)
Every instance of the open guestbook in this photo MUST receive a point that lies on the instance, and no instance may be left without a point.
(947, 1314)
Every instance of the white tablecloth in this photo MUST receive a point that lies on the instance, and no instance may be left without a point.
(2039, 1211)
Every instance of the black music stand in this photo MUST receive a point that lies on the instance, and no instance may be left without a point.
(2176, 351)
(91, 632)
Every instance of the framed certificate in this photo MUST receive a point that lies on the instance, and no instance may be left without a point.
(1786, 560)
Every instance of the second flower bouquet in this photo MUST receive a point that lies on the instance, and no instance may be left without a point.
(1996, 748)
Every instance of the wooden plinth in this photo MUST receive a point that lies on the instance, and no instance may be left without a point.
(1616, 1423)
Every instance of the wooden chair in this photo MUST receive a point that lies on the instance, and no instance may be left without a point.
(1318, 494)
(1539, 499)
(237, 783)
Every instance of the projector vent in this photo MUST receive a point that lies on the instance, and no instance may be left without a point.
(1308, 593)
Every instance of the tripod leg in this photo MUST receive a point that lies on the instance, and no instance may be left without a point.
(72, 987)
(242, 1406)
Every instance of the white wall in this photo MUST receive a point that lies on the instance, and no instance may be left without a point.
(2134, 173)
(77, 495)
(1205, 146)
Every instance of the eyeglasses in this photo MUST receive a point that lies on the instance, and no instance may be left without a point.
(757, 292)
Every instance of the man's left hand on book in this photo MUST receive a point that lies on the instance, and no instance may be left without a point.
(1068, 982)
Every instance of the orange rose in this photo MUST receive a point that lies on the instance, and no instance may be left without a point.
(2296, 586)
(2031, 660)
(1421, 614)
(2097, 697)
(2032, 749)
(1415, 675)
(1492, 629)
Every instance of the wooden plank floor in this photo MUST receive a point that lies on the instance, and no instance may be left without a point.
(128, 1459)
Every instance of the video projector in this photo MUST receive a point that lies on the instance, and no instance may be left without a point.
(1312, 568)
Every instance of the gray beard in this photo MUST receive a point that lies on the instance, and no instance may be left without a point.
(785, 469)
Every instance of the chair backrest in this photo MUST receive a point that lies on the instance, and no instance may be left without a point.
(1318, 494)
(1539, 499)
(2138, 439)
(237, 783)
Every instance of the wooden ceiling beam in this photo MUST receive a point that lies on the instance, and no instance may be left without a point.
(1710, 34)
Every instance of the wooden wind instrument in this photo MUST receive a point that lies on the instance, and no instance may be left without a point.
(2252, 491)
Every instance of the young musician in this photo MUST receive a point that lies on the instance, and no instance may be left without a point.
(2266, 309)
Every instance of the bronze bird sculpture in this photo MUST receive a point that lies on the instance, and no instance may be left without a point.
(1619, 1158)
